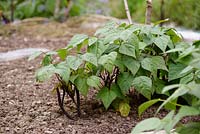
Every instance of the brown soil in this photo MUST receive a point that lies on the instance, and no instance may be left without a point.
(29, 107)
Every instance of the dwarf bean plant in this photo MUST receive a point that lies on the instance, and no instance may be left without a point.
(151, 61)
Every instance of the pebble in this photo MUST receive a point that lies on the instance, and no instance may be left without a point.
(48, 132)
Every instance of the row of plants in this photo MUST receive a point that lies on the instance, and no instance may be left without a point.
(181, 12)
(151, 61)
(40, 8)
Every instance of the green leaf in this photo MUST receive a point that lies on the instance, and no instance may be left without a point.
(115, 88)
(175, 36)
(63, 70)
(132, 64)
(143, 85)
(92, 41)
(111, 48)
(124, 81)
(111, 38)
(98, 49)
(170, 87)
(160, 21)
(175, 71)
(179, 92)
(187, 52)
(108, 60)
(194, 89)
(146, 105)
(186, 79)
(153, 63)
(108, 27)
(167, 122)
(127, 49)
(46, 60)
(73, 62)
(142, 45)
(45, 73)
(189, 128)
(124, 109)
(62, 53)
(125, 34)
(94, 81)
(158, 86)
(162, 42)
(90, 58)
(146, 125)
(35, 55)
(81, 84)
(107, 96)
(77, 39)
(187, 111)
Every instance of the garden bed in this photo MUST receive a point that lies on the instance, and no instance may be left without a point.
(31, 107)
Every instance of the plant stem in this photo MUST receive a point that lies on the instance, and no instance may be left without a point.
(127, 12)
(61, 104)
(162, 12)
(12, 11)
(148, 12)
(57, 8)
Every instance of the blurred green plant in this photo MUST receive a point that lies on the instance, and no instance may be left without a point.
(182, 12)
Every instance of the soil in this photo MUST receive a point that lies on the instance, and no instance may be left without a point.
(28, 107)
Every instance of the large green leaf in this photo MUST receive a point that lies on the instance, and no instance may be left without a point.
(125, 34)
(124, 81)
(73, 62)
(108, 60)
(94, 81)
(175, 71)
(146, 105)
(143, 85)
(90, 58)
(63, 70)
(127, 49)
(98, 49)
(45, 73)
(77, 39)
(153, 63)
(132, 64)
(81, 84)
(146, 125)
(111, 37)
(107, 96)
(162, 42)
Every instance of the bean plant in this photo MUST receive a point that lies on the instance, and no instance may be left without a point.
(152, 61)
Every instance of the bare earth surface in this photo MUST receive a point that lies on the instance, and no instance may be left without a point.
(28, 107)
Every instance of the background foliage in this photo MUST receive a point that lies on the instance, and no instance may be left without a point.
(181, 12)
